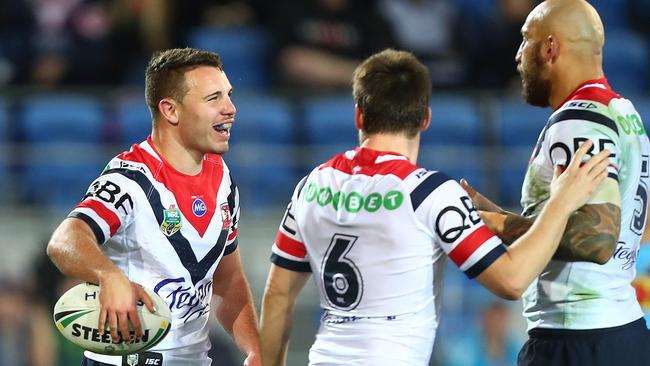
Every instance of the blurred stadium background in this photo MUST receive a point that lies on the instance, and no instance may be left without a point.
(72, 75)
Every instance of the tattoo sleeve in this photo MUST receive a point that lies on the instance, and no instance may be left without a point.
(591, 234)
(514, 227)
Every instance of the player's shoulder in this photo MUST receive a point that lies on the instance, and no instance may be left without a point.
(589, 107)
(370, 163)
(140, 157)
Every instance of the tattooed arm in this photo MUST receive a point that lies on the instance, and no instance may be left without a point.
(591, 234)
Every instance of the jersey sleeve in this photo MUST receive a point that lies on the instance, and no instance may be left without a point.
(108, 205)
(567, 130)
(235, 210)
(288, 250)
(447, 211)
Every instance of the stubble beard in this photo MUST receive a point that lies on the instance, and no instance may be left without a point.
(536, 88)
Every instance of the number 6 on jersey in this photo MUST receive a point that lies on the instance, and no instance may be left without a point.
(341, 277)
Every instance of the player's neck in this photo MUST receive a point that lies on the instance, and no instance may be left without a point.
(397, 143)
(564, 83)
(176, 154)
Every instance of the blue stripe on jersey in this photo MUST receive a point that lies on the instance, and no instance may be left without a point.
(99, 234)
(289, 264)
(422, 191)
(231, 201)
(301, 185)
(486, 261)
(182, 247)
(613, 176)
(581, 114)
(231, 248)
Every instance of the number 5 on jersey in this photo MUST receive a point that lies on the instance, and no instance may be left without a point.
(341, 277)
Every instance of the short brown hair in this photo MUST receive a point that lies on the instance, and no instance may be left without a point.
(165, 75)
(392, 89)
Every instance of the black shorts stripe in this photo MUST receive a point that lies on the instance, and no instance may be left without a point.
(289, 264)
(486, 261)
(584, 115)
(231, 248)
(422, 191)
(99, 234)
(182, 247)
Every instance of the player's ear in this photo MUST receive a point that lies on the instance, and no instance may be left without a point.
(358, 117)
(552, 49)
(168, 109)
(427, 121)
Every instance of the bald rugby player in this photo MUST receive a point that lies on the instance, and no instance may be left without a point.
(582, 309)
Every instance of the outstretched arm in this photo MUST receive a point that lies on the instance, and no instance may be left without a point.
(235, 308)
(591, 233)
(513, 271)
(282, 288)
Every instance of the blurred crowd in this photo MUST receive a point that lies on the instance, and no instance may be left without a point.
(312, 43)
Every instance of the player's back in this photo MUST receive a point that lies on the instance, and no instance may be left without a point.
(368, 252)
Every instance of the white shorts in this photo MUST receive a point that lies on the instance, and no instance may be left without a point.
(392, 341)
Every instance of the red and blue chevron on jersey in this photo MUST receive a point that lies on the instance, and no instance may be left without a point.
(168, 232)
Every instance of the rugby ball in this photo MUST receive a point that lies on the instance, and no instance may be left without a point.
(76, 316)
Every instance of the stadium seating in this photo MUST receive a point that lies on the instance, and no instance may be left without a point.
(518, 127)
(625, 61)
(244, 51)
(614, 14)
(262, 153)
(454, 140)
(132, 119)
(329, 128)
(63, 134)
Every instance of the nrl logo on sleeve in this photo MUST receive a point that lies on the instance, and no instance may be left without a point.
(225, 216)
(171, 221)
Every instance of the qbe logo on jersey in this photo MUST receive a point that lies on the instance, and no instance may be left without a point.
(198, 207)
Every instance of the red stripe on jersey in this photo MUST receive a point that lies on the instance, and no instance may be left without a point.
(364, 162)
(189, 190)
(290, 246)
(595, 93)
(233, 234)
(469, 245)
(107, 215)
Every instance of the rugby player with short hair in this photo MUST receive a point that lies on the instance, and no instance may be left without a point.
(375, 230)
(171, 209)
(582, 309)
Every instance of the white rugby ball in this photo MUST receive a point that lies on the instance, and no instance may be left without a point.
(76, 316)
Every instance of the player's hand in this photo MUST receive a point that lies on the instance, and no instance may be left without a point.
(253, 359)
(480, 202)
(495, 221)
(118, 297)
(576, 184)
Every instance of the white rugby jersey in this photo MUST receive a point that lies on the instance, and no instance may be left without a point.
(582, 295)
(168, 232)
(373, 229)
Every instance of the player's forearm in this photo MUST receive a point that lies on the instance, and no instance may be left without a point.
(275, 328)
(591, 234)
(236, 313)
(533, 250)
(73, 249)
(514, 227)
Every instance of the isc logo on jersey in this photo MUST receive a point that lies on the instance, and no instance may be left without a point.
(198, 207)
